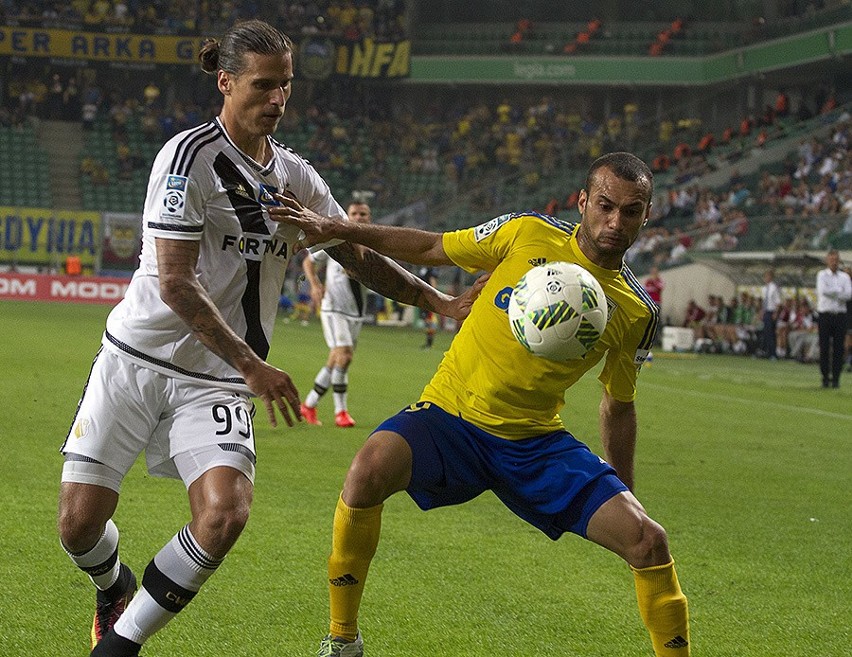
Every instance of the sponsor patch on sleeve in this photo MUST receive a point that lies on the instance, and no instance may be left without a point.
(484, 230)
(176, 182)
(174, 200)
(640, 357)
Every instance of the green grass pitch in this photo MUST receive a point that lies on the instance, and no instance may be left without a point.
(745, 462)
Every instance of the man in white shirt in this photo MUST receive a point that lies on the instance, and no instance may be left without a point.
(834, 289)
(186, 349)
(770, 294)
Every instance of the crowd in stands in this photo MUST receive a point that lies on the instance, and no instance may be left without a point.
(467, 142)
(809, 199)
(689, 158)
(346, 19)
(735, 327)
(458, 146)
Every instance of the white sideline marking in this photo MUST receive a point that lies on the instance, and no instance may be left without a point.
(754, 402)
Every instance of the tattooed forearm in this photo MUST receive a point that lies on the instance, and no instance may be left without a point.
(190, 303)
(182, 292)
(383, 275)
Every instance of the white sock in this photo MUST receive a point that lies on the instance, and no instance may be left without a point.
(339, 384)
(170, 582)
(100, 563)
(321, 383)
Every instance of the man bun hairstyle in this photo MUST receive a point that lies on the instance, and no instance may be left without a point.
(254, 36)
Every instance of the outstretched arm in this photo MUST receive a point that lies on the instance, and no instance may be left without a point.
(618, 435)
(369, 266)
(390, 280)
(412, 245)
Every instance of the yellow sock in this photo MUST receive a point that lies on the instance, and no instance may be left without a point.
(354, 541)
(663, 608)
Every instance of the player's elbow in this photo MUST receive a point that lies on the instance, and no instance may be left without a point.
(174, 291)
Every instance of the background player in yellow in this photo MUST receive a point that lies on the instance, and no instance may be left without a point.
(488, 419)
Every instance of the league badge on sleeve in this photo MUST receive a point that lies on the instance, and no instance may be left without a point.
(484, 230)
(174, 200)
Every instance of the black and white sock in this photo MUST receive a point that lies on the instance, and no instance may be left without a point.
(170, 582)
(340, 386)
(321, 383)
(101, 562)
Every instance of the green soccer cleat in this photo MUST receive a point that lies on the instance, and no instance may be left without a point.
(336, 647)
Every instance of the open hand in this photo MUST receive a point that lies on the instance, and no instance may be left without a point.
(276, 389)
(459, 307)
(316, 229)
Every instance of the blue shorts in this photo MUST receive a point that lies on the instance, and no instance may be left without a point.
(554, 481)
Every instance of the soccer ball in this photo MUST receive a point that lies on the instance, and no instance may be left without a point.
(558, 311)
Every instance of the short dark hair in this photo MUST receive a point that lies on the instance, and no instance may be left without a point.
(626, 166)
(254, 36)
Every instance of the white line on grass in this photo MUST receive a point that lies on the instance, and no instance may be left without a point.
(752, 402)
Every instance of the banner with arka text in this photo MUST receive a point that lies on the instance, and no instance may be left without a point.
(319, 56)
(98, 46)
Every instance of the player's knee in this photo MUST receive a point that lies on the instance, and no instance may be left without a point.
(377, 471)
(225, 518)
(366, 482)
(78, 532)
(83, 514)
(650, 544)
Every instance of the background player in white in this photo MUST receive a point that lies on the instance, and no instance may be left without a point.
(342, 303)
(187, 345)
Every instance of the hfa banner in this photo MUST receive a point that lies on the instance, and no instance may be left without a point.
(39, 236)
(96, 46)
(372, 59)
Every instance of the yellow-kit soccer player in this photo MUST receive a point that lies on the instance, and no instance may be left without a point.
(488, 419)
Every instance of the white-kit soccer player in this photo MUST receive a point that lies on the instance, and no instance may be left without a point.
(186, 348)
(342, 304)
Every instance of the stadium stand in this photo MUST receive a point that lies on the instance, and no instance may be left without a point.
(24, 171)
(465, 153)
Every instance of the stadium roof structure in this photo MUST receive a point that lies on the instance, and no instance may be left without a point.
(795, 268)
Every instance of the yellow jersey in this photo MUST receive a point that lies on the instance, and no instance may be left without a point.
(492, 381)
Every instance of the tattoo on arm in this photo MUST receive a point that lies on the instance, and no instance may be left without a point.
(382, 275)
(207, 324)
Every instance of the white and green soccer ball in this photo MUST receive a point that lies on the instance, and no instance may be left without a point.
(558, 311)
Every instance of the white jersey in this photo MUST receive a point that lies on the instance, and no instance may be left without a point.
(203, 188)
(343, 295)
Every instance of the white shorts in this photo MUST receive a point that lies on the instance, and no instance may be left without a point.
(184, 428)
(340, 330)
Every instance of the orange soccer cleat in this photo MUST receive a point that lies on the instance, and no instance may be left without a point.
(343, 419)
(310, 415)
